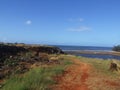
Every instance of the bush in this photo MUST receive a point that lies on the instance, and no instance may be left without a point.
(116, 48)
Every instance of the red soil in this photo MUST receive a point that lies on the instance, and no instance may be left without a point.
(74, 78)
(110, 83)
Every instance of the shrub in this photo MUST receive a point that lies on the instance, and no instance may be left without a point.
(116, 48)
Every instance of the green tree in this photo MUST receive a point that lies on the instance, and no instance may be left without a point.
(116, 48)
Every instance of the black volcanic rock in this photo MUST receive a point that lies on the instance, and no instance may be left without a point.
(17, 59)
(46, 49)
(6, 51)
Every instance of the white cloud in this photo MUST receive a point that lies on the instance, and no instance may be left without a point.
(80, 29)
(76, 20)
(28, 22)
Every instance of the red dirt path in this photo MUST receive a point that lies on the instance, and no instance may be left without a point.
(74, 78)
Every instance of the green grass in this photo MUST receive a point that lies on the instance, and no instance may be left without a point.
(35, 79)
(39, 78)
(101, 66)
(99, 73)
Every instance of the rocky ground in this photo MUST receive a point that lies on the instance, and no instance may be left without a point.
(16, 59)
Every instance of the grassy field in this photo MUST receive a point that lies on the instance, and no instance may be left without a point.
(101, 78)
(35, 79)
(101, 65)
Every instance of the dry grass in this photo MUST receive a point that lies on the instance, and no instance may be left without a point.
(100, 77)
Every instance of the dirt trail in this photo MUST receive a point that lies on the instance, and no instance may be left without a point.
(74, 77)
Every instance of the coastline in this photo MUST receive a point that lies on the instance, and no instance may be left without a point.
(100, 52)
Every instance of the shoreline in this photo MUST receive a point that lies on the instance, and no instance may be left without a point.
(100, 52)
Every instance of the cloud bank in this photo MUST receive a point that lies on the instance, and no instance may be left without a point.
(80, 29)
(76, 20)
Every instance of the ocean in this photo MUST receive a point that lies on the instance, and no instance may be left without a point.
(89, 48)
(94, 48)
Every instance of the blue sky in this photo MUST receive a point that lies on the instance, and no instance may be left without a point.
(63, 22)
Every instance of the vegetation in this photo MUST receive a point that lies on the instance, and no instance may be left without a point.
(29, 67)
(98, 75)
(38, 78)
(101, 66)
(116, 48)
(42, 77)
(35, 79)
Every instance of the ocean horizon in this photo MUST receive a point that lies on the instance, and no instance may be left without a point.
(92, 48)
(69, 49)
